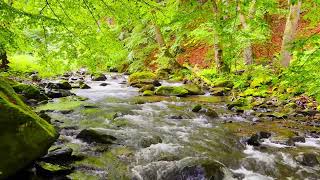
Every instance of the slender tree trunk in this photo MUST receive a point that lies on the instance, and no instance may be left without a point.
(218, 52)
(4, 60)
(247, 52)
(159, 36)
(290, 32)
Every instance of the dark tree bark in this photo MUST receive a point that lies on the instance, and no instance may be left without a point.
(4, 60)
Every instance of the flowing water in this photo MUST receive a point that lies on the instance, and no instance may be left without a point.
(161, 138)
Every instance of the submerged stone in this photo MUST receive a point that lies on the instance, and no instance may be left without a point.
(24, 135)
(148, 141)
(211, 113)
(196, 108)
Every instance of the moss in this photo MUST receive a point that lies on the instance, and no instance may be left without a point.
(148, 93)
(63, 104)
(141, 76)
(24, 135)
(254, 92)
(193, 89)
(223, 83)
(171, 91)
(29, 91)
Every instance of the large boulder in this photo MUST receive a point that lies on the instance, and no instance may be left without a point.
(98, 77)
(24, 135)
(140, 79)
(29, 91)
(193, 89)
(171, 91)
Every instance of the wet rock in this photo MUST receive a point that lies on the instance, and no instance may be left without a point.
(308, 159)
(49, 170)
(193, 89)
(66, 111)
(196, 108)
(29, 92)
(187, 168)
(292, 140)
(58, 93)
(211, 113)
(149, 87)
(148, 93)
(113, 69)
(67, 75)
(171, 91)
(96, 135)
(24, 135)
(83, 85)
(254, 140)
(264, 135)
(104, 84)
(219, 91)
(59, 154)
(148, 141)
(35, 78)
(98, 77)
(224, 83)
(278, 115)
(141, 78)
(176, 117)
(156, 83)
(64, 85)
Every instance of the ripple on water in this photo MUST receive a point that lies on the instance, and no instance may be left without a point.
(250, 175)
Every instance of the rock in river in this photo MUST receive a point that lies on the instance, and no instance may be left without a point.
(24, 135)
(97, 135)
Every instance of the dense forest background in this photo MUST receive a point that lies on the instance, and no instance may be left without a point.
(274, 41)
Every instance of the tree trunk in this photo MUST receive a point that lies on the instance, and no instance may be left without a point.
(290, 32)
(217, 47)
(159, 37)
(247, 52)
(4, 60)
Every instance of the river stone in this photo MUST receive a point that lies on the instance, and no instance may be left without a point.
(219, 91)
(49, 170)
(149, 87)
(211, 113)
(196, 108)
(171, 91)
(254, 140)
(97, 135)
(156, 83)
(29, 91)
(187, 168)
(148, 141)
(308, 159)
(59, 154)
(64, 85)
(292, 140)
(98, 77)
(58, 93)
(83, 85)
(148, 93)
(24, 135)
(104, 84)
(193, 89)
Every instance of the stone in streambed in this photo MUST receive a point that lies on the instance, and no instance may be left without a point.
(292, 140)
(98, 77)
(83, 85)
(148, 93)
(193, 89)
(171, 91)
(211, 113)
(196, 108)
(308, 159)
(147, 87)
(59, 154)
(58, 93)
(104, 84)
(29, 91)
(49, 170)
(148, 141)
(24, 135)
(97, 135)
(255, 139)
(219, 91)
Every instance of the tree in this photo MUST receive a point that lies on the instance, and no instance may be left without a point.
(290, 31)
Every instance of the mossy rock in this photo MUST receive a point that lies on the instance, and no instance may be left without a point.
(261, 80)
(24, 135)
(148, 93)
(219, 91)
(254, 92)
(147, 87)
(224, 83)
(171, 91)
(29, 91)
(196, 108)
(240, 102)
(141, 78)
(193, 89)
